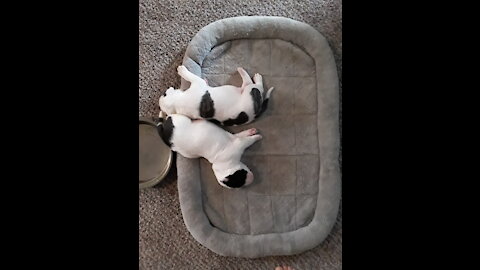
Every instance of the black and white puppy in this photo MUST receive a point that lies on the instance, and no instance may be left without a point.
(201, 138)
(228, 105)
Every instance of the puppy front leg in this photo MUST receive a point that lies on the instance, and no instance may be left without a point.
(188, 76)
(258, 79)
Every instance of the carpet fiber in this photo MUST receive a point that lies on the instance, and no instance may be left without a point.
(166, 28)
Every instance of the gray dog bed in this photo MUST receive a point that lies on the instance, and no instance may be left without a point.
(293, 202)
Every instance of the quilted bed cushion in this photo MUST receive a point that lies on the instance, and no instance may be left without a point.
(292, 204)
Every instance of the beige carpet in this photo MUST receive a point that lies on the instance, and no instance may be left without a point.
(166, 27)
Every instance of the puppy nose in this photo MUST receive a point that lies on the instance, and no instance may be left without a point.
(249, 179)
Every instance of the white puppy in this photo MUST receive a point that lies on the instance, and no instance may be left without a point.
(228, 104)
(200, 138)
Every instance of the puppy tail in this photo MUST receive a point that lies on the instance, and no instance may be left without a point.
(265, 102)
(269, 92)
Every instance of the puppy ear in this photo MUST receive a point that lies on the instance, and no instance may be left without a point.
(165, 130)
(236, 179)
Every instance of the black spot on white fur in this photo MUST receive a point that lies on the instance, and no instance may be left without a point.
(215, 121)
(207, 109)
(264, 107)
(237, 179)
(242, 118)
(165, 131)
(257, 100)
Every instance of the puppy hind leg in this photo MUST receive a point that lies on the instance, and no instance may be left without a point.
(246, 80)
(258, 79)
(245, 142)
(188, 76)
(246, 133)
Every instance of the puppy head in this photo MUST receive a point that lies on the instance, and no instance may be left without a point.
(233, 176)
(167, 101)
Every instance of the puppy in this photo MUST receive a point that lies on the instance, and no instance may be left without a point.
(228, 105)
(201, 138)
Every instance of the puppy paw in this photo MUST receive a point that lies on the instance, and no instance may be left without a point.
(247, 133)
(257, 137)
(257, 78)
(181, 69)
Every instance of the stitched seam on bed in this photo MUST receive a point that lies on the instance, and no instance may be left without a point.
(296, 182)
(318, 149)
(206, 73)
(270, 197)
(270, 58)
(249, 217)
(224, 216)
(273, 213)
(270, 183)
(296, 150)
